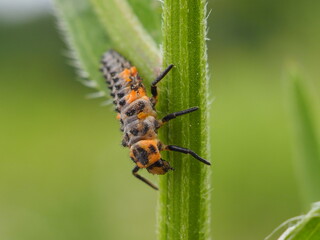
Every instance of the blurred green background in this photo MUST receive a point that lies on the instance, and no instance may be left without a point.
(63, 173)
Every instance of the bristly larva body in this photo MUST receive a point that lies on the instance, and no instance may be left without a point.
(138, 117)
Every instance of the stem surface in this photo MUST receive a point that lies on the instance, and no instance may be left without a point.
(184, 194)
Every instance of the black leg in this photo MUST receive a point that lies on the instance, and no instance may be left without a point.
(187, 151)
(176, 114)
(135, 173)
(154, 90)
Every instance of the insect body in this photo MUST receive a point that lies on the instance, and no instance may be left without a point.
(137, 115)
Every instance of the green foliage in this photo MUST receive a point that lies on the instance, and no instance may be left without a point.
(86, 39)
(89, 37)
(307, 148)
(184, 194)
(306, 227)
(307, 151)
(128, 35)
(149, 14)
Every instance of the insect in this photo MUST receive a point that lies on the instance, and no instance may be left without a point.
(138, 117)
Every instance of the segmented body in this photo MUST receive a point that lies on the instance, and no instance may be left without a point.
(137, 115)
(135, 110)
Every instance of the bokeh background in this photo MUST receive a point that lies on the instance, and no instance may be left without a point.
(63, 173)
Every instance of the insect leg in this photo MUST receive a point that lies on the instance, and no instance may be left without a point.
(154, 90)
(176, 114)
(135, 173)
(186, 151)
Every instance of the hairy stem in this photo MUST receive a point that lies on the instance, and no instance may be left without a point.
(184, 194)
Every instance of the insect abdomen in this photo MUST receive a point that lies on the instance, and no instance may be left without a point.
(136, 112)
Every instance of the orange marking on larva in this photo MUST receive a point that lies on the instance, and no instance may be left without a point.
(134, 71)
(141, 92)
(118, 116)
(145, 98)
(136, 94)
(142, 115)
(125, 73)
(132, 96)
(153, 158)
(146, 143)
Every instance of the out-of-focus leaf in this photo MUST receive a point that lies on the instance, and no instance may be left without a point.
(149, 14)
(86, 38)
(306, 147)
(306, 227)
(128, 35)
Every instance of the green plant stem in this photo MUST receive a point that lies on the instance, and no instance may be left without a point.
(184, 194)
(128, 35)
